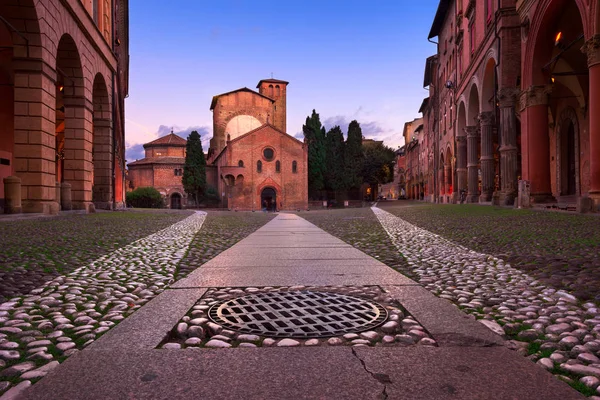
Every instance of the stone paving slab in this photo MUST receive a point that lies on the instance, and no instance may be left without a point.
(446, 323)
(292, 253)
(150, 324)
(461, 373)
(276, 262)
(213, 374)
(289, 276)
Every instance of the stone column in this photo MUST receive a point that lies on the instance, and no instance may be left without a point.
(78, 164)
(448, 176)
(461, 162)
(534, 101)
(472, 163)
(486, 120)
(508, 146)
(34, 134)
(592, 49)
(12, 195)
(102, 162)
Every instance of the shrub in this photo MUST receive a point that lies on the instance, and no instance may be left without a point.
(145, 197)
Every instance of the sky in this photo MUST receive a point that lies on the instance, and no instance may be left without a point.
(347, 59)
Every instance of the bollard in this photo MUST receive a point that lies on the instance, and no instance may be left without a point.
(65, 196)
(12, 195)
(57, 194)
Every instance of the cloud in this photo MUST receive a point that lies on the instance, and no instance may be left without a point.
(299, 135)
(134, 152)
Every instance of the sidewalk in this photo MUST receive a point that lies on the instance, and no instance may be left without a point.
(469, 361)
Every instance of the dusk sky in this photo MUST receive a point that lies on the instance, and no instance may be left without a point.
(350, 59)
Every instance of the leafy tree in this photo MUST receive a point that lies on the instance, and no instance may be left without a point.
(145, 197)
(334, 160)
(314, 136)
(378, 164)
(194, 169)
(354, 157)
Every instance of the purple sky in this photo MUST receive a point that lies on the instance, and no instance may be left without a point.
(350, 59)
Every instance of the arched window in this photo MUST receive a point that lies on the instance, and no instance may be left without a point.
(277, 91)
(277, 166)
(259, 166)
(294, 167)
(271, 90)
(240, 163)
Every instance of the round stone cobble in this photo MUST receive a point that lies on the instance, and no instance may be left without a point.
(374, 337)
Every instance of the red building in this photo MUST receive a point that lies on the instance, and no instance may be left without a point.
(252, 161)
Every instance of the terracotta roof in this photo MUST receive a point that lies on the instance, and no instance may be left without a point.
(244, 89)
(171, 139)
(438, 21)
(158, 160)
(271, 81)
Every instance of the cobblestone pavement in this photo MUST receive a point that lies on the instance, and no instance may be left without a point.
(549, 326)
(38, 250)
(42, 328)
(360, 228)
(196, 330)
(562, 250)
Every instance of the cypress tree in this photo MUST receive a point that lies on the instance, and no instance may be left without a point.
(334, 144)
(194, 169)
(354, 157)
(314, 136)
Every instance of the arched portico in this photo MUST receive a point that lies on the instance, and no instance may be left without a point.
(102, 146)
(473, 133)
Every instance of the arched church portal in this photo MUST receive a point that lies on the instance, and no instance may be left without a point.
(268, 199)
(176, 201)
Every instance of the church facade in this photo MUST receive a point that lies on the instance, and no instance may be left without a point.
(252, 162)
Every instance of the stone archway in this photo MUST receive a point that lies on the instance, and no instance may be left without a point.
(473, 148)
(567, 154)
(102, 155)
(75, 109)
(268, 199)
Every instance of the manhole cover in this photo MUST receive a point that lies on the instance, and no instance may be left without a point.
(298, 314)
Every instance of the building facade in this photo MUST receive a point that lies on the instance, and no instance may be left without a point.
(514, 96)
(63, 78)
(162, 169)
(252, 161)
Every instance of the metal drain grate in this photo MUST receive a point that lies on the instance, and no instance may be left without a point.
(298, 314)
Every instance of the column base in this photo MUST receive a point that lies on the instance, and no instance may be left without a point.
(542, 198)
(103, 205)
(472, 198)
(87, 206)
(40, 207)
(507, 199)
(485, 198)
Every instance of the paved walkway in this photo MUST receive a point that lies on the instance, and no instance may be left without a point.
(469, 361)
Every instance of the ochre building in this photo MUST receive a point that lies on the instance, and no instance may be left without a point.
(252, 162)
(162, 168)
(514, 96)
(63, 81)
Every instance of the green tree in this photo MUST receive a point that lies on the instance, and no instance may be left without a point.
(378, 164)
(354, 157)
(314, 137)
(194, 169)
(334, 159)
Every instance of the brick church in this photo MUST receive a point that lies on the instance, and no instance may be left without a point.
(252, 162)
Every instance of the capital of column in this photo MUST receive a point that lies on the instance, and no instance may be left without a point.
(535, 96)
(472, 131)
(461, 140)
(507, 97)
(592, 49)
(486, 118)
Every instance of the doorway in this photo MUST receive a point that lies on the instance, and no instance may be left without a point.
(268, 199)
(176, 201)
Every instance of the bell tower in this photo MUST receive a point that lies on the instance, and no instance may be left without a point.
(276, 89)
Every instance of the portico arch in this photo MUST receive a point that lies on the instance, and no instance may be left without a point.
(102, 145)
